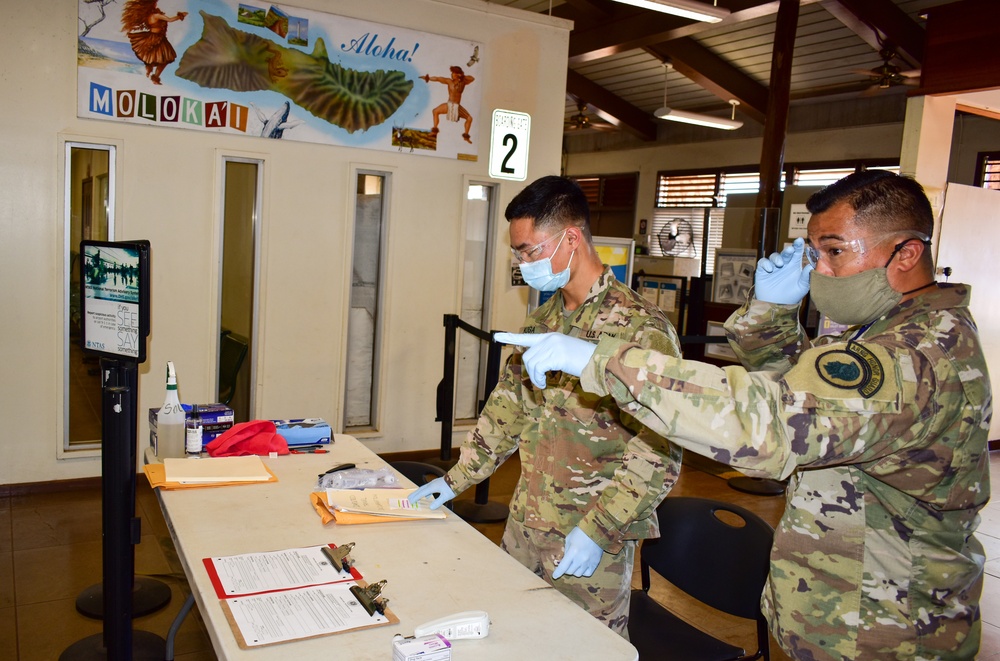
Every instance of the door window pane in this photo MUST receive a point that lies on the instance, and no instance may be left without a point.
(89, 181)
(471, 352)
(363, 329)
(239, 267)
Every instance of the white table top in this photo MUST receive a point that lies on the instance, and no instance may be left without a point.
(431, 568)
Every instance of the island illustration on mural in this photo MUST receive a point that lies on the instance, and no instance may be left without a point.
(232, 59)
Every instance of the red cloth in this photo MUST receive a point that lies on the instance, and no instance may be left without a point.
(254, 437)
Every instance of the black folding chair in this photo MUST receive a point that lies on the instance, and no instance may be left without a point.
(718, 563)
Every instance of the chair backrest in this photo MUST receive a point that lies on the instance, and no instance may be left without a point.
(232, 353)
(418, 472)
(717, 563)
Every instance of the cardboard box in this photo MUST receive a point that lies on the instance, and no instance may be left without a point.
(215, 419)
(434, 647)
(304, 431)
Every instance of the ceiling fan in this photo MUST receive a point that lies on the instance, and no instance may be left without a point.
(581, 120)
(888, 74)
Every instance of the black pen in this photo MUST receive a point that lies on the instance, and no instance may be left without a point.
(338, 468)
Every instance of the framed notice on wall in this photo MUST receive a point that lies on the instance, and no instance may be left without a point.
(114, 298)
(733, 278)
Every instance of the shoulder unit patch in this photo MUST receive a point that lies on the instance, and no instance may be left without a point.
(855, 368)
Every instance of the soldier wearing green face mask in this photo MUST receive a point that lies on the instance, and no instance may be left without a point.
(591, 476)
(881, 432)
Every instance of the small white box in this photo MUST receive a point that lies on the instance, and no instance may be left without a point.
(433, 647)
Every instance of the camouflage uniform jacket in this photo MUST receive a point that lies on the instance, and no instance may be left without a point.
(883, 434)
(583, 462)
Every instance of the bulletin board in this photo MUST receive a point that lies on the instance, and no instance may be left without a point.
(667, 292)
(733, 277)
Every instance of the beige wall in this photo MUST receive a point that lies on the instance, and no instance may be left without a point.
(169, 193)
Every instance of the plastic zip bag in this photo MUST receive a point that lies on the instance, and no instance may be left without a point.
(359, 478)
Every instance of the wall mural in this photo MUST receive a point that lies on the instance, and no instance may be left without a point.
(278, 72)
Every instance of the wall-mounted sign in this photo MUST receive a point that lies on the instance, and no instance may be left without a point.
(279, 72)
(509, 145)
(798, 221)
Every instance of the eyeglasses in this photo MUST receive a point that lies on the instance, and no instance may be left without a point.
(535, 251)
(841, 253)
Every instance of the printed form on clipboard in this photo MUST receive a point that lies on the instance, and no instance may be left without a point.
(381, 502)
(274, 571)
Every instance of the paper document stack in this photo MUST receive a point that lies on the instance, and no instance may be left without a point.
(216, 469)
(380, 502)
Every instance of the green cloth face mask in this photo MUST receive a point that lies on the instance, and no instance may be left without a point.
(854, 299)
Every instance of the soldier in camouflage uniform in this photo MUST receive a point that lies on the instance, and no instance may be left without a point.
(591, 476)
(881, 432)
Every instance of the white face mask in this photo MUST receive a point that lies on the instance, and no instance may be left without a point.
(539, 274)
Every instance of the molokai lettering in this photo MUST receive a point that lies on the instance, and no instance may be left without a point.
(125, 100)
(169, 108)
(192, 111)
(100, 100)
(215, 114)
(147, 106)
(238, 116)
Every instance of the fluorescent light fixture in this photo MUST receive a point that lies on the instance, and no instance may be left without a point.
(686, 117)
(696, 11)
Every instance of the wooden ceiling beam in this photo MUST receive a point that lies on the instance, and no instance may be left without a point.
(852, 22)
(711, 72)
(902, 31)
(610, 107)
(645, 28)
(961, 48)
(594, 11)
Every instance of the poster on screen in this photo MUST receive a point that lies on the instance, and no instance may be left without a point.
(111, 297)
(278, 72)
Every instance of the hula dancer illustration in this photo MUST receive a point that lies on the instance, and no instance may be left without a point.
(146, 27)
(456, 85)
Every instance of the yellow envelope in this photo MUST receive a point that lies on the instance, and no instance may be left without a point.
(322, 507)
(157, 476)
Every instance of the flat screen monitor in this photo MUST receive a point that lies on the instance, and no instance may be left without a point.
(114, 294)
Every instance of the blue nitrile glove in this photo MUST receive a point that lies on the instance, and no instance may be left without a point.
(549, 352)
(436, 486)
(581, 556)
(781, 278)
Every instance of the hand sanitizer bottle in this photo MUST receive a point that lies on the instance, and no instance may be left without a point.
(192, 433)
(170, 421)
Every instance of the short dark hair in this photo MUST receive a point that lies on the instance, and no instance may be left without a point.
(882, 200)
(552, 202)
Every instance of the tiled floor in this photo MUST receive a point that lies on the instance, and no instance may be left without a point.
(50, 550)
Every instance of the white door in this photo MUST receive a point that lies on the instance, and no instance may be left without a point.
(970, 230)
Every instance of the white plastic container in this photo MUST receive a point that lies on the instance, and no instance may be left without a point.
(170, 421)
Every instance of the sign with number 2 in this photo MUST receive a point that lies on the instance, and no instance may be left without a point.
(509, 145)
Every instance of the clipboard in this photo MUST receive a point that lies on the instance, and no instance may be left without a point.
(226, 587)
(229, 605)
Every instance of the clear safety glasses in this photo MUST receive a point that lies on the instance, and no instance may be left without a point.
(841, 253)
(535, 251)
